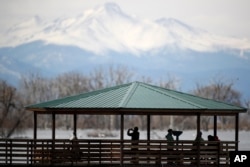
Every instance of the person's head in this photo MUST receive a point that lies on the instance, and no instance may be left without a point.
(200, 134)
(136, 129)
(170, 131)
(210, 137)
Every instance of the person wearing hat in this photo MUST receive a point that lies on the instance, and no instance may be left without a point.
(170, 143)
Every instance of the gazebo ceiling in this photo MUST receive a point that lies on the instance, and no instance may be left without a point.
(135, 98)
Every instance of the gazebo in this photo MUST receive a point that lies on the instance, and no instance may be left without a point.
(135, 98)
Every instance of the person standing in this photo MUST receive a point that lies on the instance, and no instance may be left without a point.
(170, 144)
(198, 142)
(75, 149)
(135, 135)
(170, 137)
(199, 139)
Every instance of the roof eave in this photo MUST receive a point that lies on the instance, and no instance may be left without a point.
(134, 111)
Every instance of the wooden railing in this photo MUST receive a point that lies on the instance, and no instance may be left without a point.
(42, 151)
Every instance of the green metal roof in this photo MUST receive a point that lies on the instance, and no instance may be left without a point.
(135, 95)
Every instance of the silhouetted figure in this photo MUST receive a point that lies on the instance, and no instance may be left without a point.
(170, 143)
(198, 141)
(75, 149)
(135, 135)
(170, 137)
(199, 138)
(213, 139)
(210, 138)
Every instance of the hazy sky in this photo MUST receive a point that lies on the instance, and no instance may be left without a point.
(221, 17)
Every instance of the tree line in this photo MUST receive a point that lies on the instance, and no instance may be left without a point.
(34, 88)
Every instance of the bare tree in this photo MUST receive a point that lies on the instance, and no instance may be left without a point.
(247, 102)
(12, 113)
(35, 88)
(220, 91)
(172, 82)
(245, 117)
(110, 76)
(71, 83)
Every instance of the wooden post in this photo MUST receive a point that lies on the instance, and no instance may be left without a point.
(236, 131)
(53, 136)
(218, 146)
(198, 144)
(215, 125)
(75, 123)
(35, 126)
(148, 127)
(148, 133)
(34, 134)
(53, 126)
(121, 139)
(122, 127)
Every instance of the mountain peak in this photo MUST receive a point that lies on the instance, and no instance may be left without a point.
(108, 9)
(112, 7)
(108, 28)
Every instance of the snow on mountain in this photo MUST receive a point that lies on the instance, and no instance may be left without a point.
(107, 28)
(106, 35)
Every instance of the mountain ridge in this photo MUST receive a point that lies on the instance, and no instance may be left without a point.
(108, 28)
(106, 35)
(190, 67)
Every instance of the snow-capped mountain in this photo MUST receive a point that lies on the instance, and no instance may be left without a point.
(107, 27)
(107, 35)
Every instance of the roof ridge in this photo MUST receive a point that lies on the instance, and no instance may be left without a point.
(173, 96)
(128, 94)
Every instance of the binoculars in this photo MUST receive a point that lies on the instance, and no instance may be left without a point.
(177, 134)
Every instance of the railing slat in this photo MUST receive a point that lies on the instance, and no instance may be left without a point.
(29, 151)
